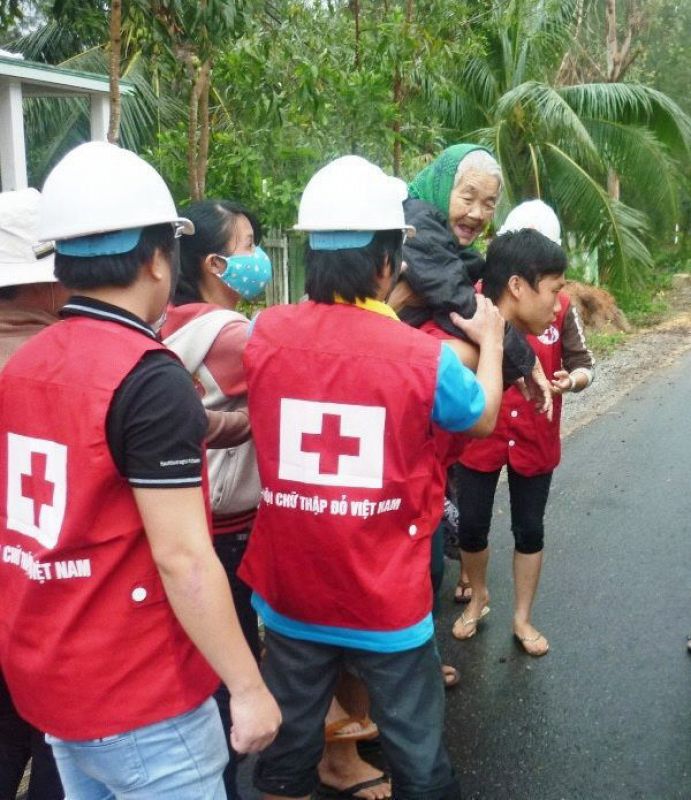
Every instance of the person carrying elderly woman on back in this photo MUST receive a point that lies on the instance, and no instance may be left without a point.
(450, 203)
(524, 276)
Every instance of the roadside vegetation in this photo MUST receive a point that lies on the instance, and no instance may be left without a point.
(585, 103)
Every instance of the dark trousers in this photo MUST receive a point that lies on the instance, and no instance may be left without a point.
(529, 496)
(230, 548)
(19, 742)
(407, 703)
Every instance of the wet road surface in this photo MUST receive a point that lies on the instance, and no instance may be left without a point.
(606, 715)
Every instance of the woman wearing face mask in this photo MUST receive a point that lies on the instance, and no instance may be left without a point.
(220, 264)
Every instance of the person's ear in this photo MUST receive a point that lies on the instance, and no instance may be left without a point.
(515, 286)
(213, 264)
(160, 265)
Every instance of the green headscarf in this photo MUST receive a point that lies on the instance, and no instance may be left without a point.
(434, 183)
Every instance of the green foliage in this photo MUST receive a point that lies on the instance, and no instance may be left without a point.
(10, 12)
(603, 344)
(298, 82)
(561, 142)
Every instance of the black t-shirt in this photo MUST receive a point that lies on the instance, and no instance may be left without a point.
(156, 423)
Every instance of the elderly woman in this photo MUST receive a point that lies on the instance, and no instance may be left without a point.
(451, 202)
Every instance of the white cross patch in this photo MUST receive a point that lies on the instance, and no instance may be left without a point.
(332, 444)
(36, 487)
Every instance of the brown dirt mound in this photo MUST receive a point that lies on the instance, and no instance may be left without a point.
(597, 308)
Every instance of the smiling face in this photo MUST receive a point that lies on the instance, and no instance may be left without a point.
(471, 205)
(536, 309)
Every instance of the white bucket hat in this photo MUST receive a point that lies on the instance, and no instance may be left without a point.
(22, 259)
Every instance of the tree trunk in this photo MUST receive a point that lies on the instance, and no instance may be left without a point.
(621, 56)
(356, 15)
(114, 70)
(396, 125)
(204, 133)
(198, 128)
(619, 59)
(192, 119)
(399, 93)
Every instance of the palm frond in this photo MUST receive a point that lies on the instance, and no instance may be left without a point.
(601, 222)
(480, 82)
(544, 115)
(632, 103)
(649, 176)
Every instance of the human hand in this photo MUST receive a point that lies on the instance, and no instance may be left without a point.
(256, 719)
(562, 382)
(538, 389)
(485, 327)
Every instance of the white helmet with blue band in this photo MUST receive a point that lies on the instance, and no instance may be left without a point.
(99, 197)
(346, 202)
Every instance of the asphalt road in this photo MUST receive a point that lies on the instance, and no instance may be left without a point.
(606, 715)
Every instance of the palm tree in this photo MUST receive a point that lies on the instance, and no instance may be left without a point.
(559, 142)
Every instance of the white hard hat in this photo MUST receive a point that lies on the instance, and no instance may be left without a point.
(22, 259)
(536, 215)
(100, 188)
(352, 194)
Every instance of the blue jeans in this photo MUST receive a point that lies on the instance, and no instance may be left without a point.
(181, 758)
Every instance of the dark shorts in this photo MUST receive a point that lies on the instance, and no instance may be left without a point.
(407, 703)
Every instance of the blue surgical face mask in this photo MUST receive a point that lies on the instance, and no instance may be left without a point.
(247, 274)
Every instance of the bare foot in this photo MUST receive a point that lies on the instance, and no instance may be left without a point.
(463, 592)
(531, 640)
(465, 626)
(336, 712)
(341, 768)
(450, 675)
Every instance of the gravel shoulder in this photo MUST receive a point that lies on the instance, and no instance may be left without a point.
(642, 353)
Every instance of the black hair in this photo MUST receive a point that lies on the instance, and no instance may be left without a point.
(525, 253)
(214, 224)
(93, 272)
(9, 292)
(352, 273)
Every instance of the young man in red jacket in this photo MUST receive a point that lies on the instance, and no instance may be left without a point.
(117, 619)
(344, 401)
(524, 276)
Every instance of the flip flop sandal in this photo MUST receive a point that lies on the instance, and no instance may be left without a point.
(464, 623)
(333, 732)
(523, 640)
(324, 790)
(462, 597)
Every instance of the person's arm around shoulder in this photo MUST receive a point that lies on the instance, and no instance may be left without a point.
(197, 589)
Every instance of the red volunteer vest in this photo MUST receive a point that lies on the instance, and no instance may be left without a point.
(522, 437)
(340, 400)
(89, 645)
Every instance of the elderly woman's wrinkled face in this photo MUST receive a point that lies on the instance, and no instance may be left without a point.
(471, 205)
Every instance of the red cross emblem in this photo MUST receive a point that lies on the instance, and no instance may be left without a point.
(35, 486)
(330, 444)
